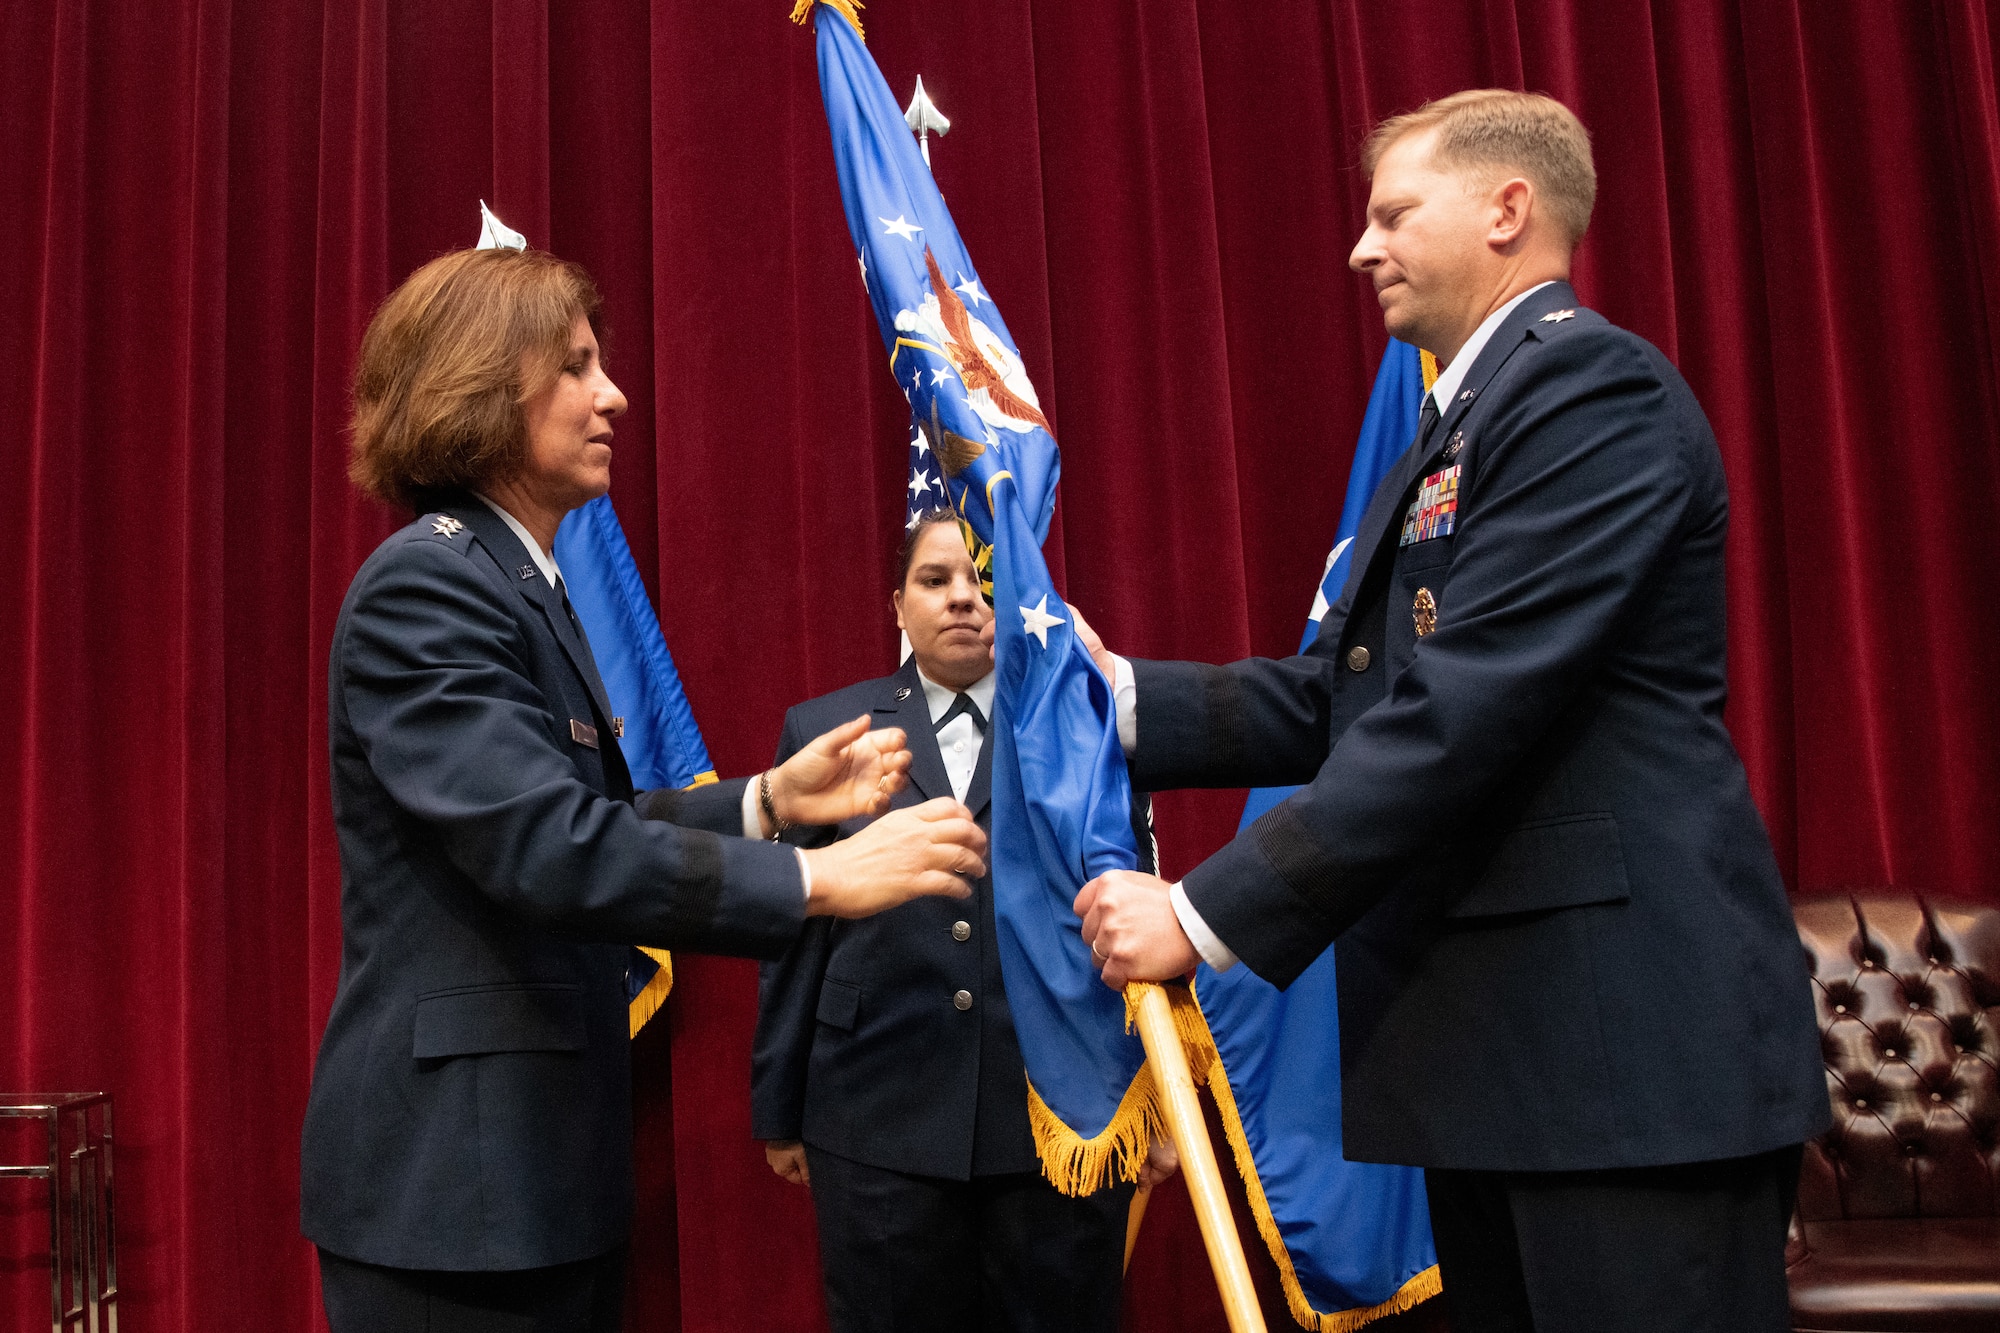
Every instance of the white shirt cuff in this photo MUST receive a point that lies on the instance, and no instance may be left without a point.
(753, 829)
(1125, 699)
(1205, 941)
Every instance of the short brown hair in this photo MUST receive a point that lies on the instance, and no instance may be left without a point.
(447, 363)
(1499, 128)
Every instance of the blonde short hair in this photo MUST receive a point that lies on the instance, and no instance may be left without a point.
(447, 363)
(1497, 128)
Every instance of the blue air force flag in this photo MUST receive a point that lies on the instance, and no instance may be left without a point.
(1352, 1240)
(1061, 797)
(661, 743)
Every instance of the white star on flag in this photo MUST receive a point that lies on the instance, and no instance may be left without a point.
(1037, 621)
(972, 293)
(920, 482)
(907, 230)
(920, 444)
(937, 377)
(911, 526)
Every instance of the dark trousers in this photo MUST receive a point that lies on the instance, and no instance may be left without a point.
(1698, 1248)
(584, 1297)
(994, 1254)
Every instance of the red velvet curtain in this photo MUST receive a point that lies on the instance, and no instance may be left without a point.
(201, 203)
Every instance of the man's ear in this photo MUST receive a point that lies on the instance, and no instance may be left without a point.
(1513, 202)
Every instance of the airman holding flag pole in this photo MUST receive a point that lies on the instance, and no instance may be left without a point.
(1523, 820)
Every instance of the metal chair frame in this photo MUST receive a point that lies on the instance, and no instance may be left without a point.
(83, 1262)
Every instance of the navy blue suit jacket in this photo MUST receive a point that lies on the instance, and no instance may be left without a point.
(859, 1049)
(1563, 940)
(471, 1103)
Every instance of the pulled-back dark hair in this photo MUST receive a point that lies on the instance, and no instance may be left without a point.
(926, 520)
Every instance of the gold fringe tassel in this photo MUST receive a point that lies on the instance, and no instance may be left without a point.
(1430, 366)
(847, 9)
(1207, 1062)
(1078, 1166)
(648, 1001)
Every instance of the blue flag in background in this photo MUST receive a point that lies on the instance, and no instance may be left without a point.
(1387, 428)
(1061, 797)
(1352, 1240)
(660, 741)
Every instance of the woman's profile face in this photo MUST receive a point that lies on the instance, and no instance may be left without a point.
(569, 429)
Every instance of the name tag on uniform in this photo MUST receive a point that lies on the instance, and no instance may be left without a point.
(583, 733)
(1434, 513)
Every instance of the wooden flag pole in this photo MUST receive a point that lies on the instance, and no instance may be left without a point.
(1133, 1217)
(1204, 1180)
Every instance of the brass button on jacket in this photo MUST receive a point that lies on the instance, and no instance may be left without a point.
(1357, 658)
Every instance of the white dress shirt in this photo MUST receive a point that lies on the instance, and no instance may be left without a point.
(1125, 690)
(543, 560)
(959, 741)
(1453, 375)
(958, 746)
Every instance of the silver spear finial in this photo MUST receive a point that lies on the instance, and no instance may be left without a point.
(923, 118)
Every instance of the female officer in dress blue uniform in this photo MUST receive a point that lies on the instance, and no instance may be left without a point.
(886, 1074)
(467, 1152)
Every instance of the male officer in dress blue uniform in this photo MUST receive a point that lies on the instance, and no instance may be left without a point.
(1570, 985)
(886, 1073)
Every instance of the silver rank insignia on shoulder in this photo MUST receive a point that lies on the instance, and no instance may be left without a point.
(447, 526)
(1558, 316)
(1425, 611)
(1457, 443)
(902, 693)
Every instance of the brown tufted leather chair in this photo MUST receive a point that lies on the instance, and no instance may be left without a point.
(1898, 1225)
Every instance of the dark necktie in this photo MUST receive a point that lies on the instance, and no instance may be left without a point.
(963, 704)
(1426, 418)
(562, 591)
(583, 641)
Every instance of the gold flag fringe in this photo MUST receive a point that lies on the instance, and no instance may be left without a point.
(1078, 1166)
(648, 1001)
(1205, 1062)
(1430, 368)
(847, 9)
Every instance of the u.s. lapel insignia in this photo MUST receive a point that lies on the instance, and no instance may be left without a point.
(902, 693)
(1425, 610)
(1457, 443)
(1558, 316)
(447, 526)
(527, 572)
